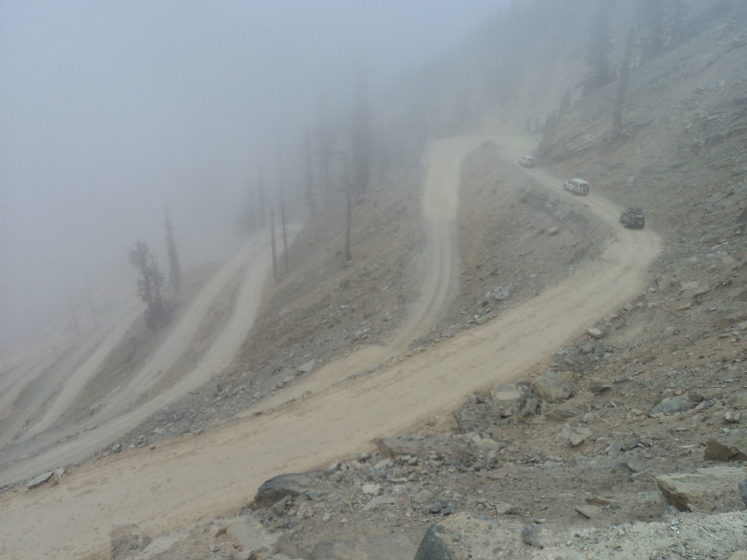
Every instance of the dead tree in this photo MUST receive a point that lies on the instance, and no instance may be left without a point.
(342, 158)
(309, 181)
(600, 47)
(175, 273)
(261, 200)
(622, 88)
(149, 284)
(282, 209)
(361, 136)
(272, 242)
(325, 149)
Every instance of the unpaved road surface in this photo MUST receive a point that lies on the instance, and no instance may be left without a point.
(218, 471)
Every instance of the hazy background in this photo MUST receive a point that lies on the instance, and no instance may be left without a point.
(108, 110)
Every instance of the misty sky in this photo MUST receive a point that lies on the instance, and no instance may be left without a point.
(109, 109)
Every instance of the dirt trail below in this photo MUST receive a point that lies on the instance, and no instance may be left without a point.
(132, 404)
(217, 471)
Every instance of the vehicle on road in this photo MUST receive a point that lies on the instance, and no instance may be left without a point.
(527, 161)
(633, 218)
(577, 186)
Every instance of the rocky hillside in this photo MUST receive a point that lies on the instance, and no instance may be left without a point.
(629, 444)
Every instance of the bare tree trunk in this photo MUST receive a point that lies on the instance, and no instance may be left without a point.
(274, 254)
(73, 315)
(282, 209)
(623, 87)
(310, 199)
(348, 219)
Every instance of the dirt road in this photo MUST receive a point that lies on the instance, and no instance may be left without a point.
(218, 471)
(75, 443)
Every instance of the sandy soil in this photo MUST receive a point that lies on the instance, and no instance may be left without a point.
(217, 471)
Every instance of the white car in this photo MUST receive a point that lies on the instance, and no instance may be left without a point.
(526, 161)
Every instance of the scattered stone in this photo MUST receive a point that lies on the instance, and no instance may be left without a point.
(39, 480)
(438, 506)
(507, 399)
(384, 464)
(418, 446)
(380, 501)
(575, 435)
(126, 540)
(371, 489)
(553, 386)
(306, 367)
(532, 535)
(387, 546)
(503, 508)
(286, 485)
(708, 489)
(250, 535)
(727, 447)
(672, 405)
(594, 332)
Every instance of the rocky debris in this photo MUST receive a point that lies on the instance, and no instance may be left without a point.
(706, 490)
(672, 405)
(575, 435)
(508, 399)
(306, 367)
(390, 546)
(553, 386)
(447, 446)
(288, 485)
(727, 447)
(461, 537)
(531, 534)
(240, 538)
(126, 541)
(465, 536)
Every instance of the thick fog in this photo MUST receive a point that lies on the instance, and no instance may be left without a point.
(110, 110)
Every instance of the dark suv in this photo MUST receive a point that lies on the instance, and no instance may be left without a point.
(633, 218)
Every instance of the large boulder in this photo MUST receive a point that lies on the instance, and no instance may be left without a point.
(507, 399)
(672, 405)
(727, 447)
(706, 490)
(389, 546)
(553, 386)
(294, 484)
(465, 536)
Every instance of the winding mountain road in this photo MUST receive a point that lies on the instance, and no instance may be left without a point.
(218, 471)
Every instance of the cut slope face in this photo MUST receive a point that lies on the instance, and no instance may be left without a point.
(158, 488)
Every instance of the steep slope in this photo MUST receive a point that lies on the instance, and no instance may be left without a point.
(334, 422)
